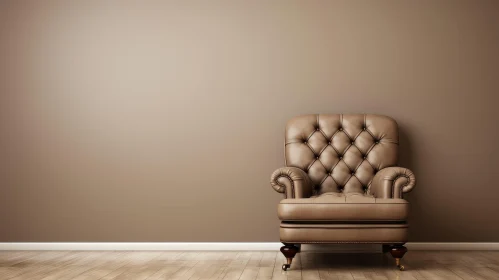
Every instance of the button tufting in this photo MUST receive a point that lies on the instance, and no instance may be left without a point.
(318, 160)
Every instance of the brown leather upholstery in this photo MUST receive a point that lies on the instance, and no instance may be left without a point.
(341, 153)
(343, 233)
(340, 207)
(391, 182)
(292, 181)
(340, 174)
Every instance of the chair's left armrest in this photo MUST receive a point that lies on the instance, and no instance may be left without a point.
(292, 181)
(392, 182)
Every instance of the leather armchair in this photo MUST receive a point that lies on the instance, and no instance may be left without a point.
(341, 183)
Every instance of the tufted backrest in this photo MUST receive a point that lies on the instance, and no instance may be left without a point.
(341, 153)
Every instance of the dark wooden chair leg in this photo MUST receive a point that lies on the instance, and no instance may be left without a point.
(289, 251)
(398, 252)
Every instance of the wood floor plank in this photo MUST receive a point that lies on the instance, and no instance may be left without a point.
(342, 273)
(151, 265)
(93, 274)
(268, 259)
(465, 273)
(310, 274)
(438, 272)
(486, 272)
(34, 272)
(66, 272)
(115, 274)
(265, 273)
(249, 273)
(277, 273)
(233, 272)
(325, 275)
(255, 259)
(217, 275)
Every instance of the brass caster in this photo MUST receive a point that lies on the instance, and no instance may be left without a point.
(397, 262)
(285, 267)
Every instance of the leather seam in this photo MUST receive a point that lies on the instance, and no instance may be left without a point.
(401, 189)
(380, 222)
(312, 149)
(344, 242)
(344, 203)
(285, 189)
(342, 227)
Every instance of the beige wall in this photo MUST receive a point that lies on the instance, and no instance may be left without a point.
(163, 120)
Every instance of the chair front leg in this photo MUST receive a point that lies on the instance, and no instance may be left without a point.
(289, 251)
(398, 251)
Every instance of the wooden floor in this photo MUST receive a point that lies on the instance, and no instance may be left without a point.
(245, 265)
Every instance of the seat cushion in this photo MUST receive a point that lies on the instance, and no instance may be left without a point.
(340, 207)
(343, 233)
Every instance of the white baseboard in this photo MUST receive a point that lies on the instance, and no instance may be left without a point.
(143, 246)
(230, 246)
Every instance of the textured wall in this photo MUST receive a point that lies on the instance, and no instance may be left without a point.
(163, 120)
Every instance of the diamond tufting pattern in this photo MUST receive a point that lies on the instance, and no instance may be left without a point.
(341, 153)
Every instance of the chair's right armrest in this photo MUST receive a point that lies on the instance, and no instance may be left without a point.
(392, 182)
(292, 181)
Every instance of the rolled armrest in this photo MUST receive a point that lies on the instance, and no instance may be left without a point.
(292, 181)
(391, 182)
